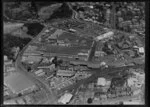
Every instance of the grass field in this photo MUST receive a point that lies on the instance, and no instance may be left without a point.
(15, 30)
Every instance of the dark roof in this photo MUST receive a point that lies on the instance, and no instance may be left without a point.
(118, 81)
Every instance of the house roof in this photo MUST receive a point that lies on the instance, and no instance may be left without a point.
(118, 81)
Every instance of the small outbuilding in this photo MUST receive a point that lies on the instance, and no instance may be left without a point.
(101, 82)
(65, 98)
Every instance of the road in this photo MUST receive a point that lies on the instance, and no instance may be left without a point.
(96, 73)
(41, 84)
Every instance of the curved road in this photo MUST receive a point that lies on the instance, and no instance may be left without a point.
(20, 68)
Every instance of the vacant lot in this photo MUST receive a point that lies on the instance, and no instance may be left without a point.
(9, 27)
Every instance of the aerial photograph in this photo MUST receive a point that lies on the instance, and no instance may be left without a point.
(73, 53)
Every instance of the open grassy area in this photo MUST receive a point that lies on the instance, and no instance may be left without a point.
(9, 27)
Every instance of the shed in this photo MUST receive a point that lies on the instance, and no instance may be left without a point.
(46, 30)
(10, 102)
(106, 35)
(41, 74)
(39, 71)
(65, 73)
(101, 81)
(141, 50)
(72, 30)
(65, 98)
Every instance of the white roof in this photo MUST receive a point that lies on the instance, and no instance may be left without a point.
(39, 71)
(65, 73)
(51, 59)
(47, 30)
(101, 81)
(8, 63)
(65, 98)
(41, 74)
(82, 53)
(135, 46)
(5, 58)
(131, 81)
(10, 102)
(72, 29)
(106, 35)
(103, 63)
(91, 7)
(141, 49)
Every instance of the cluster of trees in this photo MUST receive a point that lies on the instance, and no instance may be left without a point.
(33, 28)
(63, 12)
(34, 10)
(18, 10)
(13, 41)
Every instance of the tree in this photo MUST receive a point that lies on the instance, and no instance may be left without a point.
(47, 11)
(89, 101)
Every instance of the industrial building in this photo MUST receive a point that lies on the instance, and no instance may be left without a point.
(65, 73)
(40, 72)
